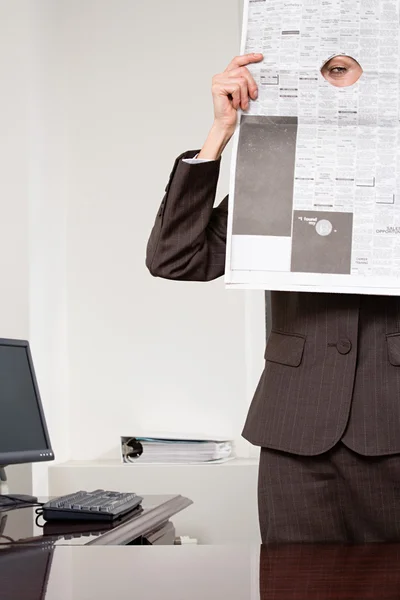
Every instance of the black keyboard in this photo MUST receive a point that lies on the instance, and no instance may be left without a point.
(100, 505)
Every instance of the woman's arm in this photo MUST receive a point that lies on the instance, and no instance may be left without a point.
(188, 240)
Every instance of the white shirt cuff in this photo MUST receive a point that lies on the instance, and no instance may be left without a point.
(195, 160)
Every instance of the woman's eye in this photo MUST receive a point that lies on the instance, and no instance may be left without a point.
(338, 70)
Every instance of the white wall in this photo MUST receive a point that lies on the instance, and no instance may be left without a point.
(33, 207)
(14, 161)
(143, 353)
(48, 187)
(100, 98)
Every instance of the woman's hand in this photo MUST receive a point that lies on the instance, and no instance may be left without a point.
(231, 90)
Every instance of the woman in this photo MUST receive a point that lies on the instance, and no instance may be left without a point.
(326, 412)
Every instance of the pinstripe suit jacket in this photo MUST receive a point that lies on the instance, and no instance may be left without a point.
(332, 362)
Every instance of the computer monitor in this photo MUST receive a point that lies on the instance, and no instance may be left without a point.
(24, 437)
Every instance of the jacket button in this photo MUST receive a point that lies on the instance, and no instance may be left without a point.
(344, 346)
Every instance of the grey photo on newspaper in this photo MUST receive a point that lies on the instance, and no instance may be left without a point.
(315, 185)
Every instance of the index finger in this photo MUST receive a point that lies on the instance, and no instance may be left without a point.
(243, 60)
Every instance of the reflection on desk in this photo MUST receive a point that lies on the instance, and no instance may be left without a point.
(201, 572)
(330, 572)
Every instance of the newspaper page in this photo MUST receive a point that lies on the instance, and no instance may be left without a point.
(315, 190)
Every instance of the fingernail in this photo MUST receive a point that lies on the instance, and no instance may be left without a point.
(255, 94)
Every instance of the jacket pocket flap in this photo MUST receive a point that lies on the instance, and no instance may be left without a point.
(285, 348)
(393, 343)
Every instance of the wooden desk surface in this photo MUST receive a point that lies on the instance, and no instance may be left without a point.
(22, 525)
(201, 573)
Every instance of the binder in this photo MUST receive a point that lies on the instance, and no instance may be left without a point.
(175, 450)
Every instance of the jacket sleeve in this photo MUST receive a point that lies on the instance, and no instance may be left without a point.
(188, 239)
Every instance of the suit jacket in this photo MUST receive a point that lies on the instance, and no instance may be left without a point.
(332, 361)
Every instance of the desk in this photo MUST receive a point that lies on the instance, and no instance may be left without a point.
(200, 573)
(151, 525)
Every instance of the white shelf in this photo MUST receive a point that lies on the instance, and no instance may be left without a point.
(224, 495)
(116, 463)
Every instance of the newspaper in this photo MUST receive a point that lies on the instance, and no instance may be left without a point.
(315, 190)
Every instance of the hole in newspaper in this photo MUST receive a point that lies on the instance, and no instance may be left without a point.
(341, 71)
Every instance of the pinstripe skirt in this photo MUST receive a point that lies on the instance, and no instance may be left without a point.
(339, 496)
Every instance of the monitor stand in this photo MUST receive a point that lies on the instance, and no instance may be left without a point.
(6, 498)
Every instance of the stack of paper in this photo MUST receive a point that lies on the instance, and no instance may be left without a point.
(175, 450)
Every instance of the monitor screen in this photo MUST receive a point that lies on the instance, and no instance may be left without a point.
(23, 430)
